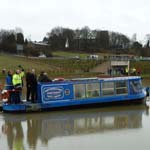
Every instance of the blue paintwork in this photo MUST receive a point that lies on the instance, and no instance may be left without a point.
(61, 94)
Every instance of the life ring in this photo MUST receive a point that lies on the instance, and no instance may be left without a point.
(5, 95)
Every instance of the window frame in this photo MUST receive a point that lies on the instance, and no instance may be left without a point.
(136, 91)
(74, 91)
(98, 89)
(107, 89)
(121, 87)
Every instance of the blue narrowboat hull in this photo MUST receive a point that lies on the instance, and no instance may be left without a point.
(26, 107)
(81, 92)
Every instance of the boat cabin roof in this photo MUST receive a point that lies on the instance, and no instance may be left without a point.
(121, 78)
(95, 79)
(106, 79)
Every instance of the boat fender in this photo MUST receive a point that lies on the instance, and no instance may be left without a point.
(5, 95)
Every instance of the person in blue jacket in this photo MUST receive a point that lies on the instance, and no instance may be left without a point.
(9, 84)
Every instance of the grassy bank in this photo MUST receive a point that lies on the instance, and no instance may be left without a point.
(69, 54)
(144, 66)
(67, 68)
(81, 55)
(54, 67)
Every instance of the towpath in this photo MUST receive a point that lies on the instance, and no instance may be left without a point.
(102, 68)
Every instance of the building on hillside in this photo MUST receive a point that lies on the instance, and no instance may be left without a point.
(19, 48)
(40, 43)
(120, 64)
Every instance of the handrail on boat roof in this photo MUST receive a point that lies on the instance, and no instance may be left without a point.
(81, 79)
(122, 78)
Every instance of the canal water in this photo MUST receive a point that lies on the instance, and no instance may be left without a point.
(105, 128)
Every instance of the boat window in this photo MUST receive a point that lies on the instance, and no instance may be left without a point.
(79, 91)
(93, 90)
(108, 88)
(135, 86)
(121, 87)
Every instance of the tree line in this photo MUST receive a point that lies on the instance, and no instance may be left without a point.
(60, 38)
(85, 39)
(9, 39)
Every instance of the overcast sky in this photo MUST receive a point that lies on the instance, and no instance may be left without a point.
(37, 17)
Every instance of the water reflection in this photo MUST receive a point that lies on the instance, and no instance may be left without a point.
(27, 130)
(14, 132)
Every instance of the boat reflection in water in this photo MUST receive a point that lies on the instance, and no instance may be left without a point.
(31, 129)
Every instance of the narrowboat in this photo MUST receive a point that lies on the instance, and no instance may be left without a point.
(83, 91)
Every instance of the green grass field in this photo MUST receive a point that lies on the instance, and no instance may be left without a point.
(69, 54)
(67, 68)
(144, 66)
(54, 67)
(80, 55)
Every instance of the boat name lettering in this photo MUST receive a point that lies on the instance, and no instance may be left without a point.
(53, 93)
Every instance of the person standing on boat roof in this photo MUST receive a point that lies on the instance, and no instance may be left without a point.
(17, 83)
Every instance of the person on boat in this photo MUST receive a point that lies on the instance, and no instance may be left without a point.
(9, 85)
(31, 84)
(17, 83)
(28, 84)
(22, 73)
(43, 77)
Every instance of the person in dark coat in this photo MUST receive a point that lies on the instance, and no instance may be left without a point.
(33, 86)
(31, 83)
(43, 77)
(28, 84)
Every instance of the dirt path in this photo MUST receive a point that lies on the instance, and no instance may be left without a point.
(102, 68)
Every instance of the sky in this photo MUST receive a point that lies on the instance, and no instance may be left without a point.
(37, 17)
